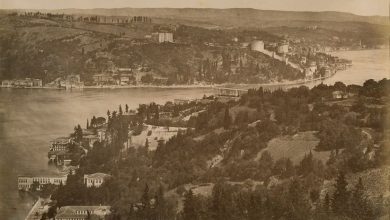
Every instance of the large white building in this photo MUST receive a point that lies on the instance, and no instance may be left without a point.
(283, 48)
(257, 45)
(162, 37)
(60, 144)
(95, 179)
(82, 212)
(25, 182)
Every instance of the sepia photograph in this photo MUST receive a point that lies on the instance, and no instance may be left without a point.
(194, 110)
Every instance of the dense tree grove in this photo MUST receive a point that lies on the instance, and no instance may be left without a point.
(246, 181)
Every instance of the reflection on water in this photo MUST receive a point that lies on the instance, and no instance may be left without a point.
(30, 118)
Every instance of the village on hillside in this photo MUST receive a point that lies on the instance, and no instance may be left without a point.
(133, 51)
(127, 113)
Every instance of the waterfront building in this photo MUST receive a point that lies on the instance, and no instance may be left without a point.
(103, 78)
(82, 212)
(23, 83)
(73, 81)
(60, 144)
(37, 82)
(124, 80)
(58, 157)
(95, 179)
(230, 92)
(6, 83)
(25, 182)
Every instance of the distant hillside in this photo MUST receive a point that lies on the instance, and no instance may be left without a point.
(232, 17)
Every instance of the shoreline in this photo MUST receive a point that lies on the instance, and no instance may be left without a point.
(195, 86)
(119, 87)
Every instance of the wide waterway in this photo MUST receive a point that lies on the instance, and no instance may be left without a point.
(30, 118)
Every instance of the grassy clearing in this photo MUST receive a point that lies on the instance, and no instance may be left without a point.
(295, 147)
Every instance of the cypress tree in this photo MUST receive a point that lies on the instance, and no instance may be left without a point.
(341, 196)
(326, 204)
(227, 119)
(145, 200)
(360, 207)
(161, 206)
(189, 209)
(120, 110)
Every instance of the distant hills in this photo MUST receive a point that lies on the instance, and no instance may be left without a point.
(234, 17)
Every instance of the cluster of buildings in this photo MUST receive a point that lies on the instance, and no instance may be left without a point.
(26, 183)
(45, 15)
(68, 82)
(22, 83)
(71, 81)
(113, 19)
(114, 79)
(90, 19)
(140, 74)
(59, 149)
(317, 67)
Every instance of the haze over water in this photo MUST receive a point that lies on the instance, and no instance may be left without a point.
(30, 118)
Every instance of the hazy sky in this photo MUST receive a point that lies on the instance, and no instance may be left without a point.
(361, 7)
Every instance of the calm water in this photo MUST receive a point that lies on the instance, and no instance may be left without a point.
(366, 64)
(29, 119)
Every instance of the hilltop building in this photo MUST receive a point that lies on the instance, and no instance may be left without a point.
(181, 101)
(257, 45)
(339, 94)
(283, 48)
(162, 37)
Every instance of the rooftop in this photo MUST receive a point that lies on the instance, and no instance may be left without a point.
(96, 175)
(90, 136)
(82, 211)
(62, 139)
(43, 176)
